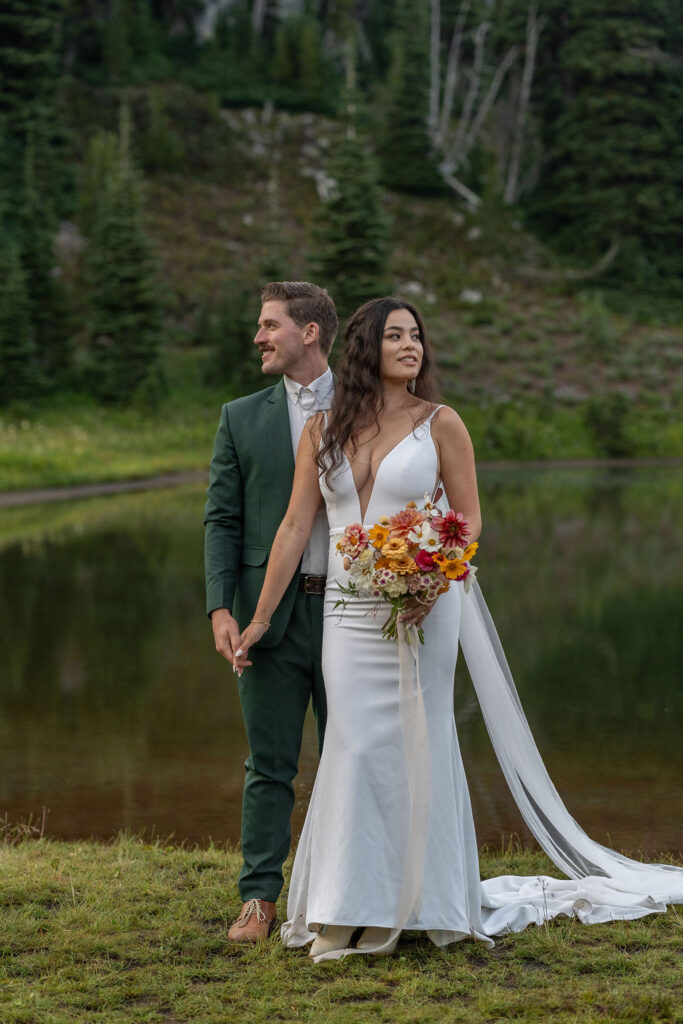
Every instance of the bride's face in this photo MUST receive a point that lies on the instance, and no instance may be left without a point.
(401, 347)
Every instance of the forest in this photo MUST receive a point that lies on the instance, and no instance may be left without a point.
(514, 166)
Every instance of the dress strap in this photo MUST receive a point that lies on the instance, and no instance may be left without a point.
(432, 414)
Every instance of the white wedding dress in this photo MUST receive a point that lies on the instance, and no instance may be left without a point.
(389, 837)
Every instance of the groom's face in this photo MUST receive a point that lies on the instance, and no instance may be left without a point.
(280, 341)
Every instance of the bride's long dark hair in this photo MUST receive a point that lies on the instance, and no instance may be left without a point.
(359, 392)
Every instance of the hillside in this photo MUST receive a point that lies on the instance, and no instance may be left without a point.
(508, 339)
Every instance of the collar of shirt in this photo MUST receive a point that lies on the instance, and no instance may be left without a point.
(317, 394)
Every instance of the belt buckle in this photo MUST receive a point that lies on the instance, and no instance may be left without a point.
(312, 584)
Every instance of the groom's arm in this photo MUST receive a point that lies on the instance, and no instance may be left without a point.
(223, 520)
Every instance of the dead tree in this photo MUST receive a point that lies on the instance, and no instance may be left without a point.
(454, 136)
(534, 25)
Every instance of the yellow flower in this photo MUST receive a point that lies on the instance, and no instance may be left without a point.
(452, 568)
(402, 566)
(394, 547)
(470, 551)
(378, 535)
(384, 520)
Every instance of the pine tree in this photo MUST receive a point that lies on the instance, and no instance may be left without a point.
(29, 65)
(609, 91)
(19, 377)
(125, 313)
(231, 327)
(352, 241)
(30, 80)
(46, 298)
(403, 145)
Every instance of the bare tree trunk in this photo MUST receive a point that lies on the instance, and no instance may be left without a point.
(489, 98)
(434, 67)
(470, 197)
(541, 274)
(454, 156)
(451, 79)
(258, 14)
(533, 30)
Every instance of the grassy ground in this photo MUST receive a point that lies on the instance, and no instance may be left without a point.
(134, 932)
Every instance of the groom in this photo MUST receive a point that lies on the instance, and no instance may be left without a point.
(249, 487)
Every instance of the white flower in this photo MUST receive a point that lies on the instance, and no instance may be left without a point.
(395, 589)
(361, 574)
(425, 537)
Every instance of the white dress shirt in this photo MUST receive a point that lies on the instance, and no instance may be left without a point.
(302, 403)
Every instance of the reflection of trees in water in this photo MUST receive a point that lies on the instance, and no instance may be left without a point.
(78, 619)
(579, 570)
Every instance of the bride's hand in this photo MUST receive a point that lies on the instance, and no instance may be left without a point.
(415, 612)
(251, 635)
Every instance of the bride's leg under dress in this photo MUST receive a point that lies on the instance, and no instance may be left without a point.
(360, 839)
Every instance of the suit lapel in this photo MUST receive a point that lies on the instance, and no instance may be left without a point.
(276, 436)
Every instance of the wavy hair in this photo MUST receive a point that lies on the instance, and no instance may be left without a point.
(359, 391)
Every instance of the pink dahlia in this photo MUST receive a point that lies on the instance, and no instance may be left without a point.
(453, 529)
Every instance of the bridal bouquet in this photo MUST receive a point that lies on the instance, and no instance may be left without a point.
(416, 553)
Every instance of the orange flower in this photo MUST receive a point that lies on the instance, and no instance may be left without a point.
(378, 535)
(403, 565)
(394, 548)
(452, 568)
(404, 521)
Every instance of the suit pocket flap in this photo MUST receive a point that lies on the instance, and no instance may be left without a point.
(252, 554)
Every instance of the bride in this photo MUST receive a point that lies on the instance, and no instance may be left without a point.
(388, 842)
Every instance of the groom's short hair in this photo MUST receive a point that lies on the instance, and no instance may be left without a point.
(306, 303)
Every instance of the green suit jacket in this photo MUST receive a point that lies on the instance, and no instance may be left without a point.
(250, 483)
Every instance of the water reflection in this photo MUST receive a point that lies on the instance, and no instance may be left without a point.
(115, 712)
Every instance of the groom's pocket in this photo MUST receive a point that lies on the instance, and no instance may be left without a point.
(253, 554)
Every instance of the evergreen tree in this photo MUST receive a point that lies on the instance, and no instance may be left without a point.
(29, 61)
(30, 79)
(19, 377)
(352, 240)
(403, 145)
(229, 330)
(125, 313)
(609, 90)
(46, 298)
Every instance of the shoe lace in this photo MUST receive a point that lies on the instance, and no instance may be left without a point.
(249, 908)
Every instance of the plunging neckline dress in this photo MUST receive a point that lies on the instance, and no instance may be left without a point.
(389, 839)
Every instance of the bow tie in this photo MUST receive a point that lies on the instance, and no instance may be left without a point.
(306, 398)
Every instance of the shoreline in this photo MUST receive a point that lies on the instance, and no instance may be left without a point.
(74, 492)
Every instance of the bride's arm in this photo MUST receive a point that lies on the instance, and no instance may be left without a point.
(290, 539)
(458, 474)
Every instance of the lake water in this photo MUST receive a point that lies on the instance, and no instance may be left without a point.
(116, 712)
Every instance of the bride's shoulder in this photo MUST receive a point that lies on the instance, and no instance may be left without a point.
(447, 424)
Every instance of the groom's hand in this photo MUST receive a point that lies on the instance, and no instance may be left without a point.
(226, 633)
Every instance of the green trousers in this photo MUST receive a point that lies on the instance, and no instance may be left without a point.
(274, 694)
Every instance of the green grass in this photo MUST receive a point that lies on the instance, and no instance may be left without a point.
(136, 932)
(70, 440)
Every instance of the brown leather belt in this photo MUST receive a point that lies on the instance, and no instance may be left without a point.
(312, 584)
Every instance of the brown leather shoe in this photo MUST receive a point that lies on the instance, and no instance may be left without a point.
(256, 922)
